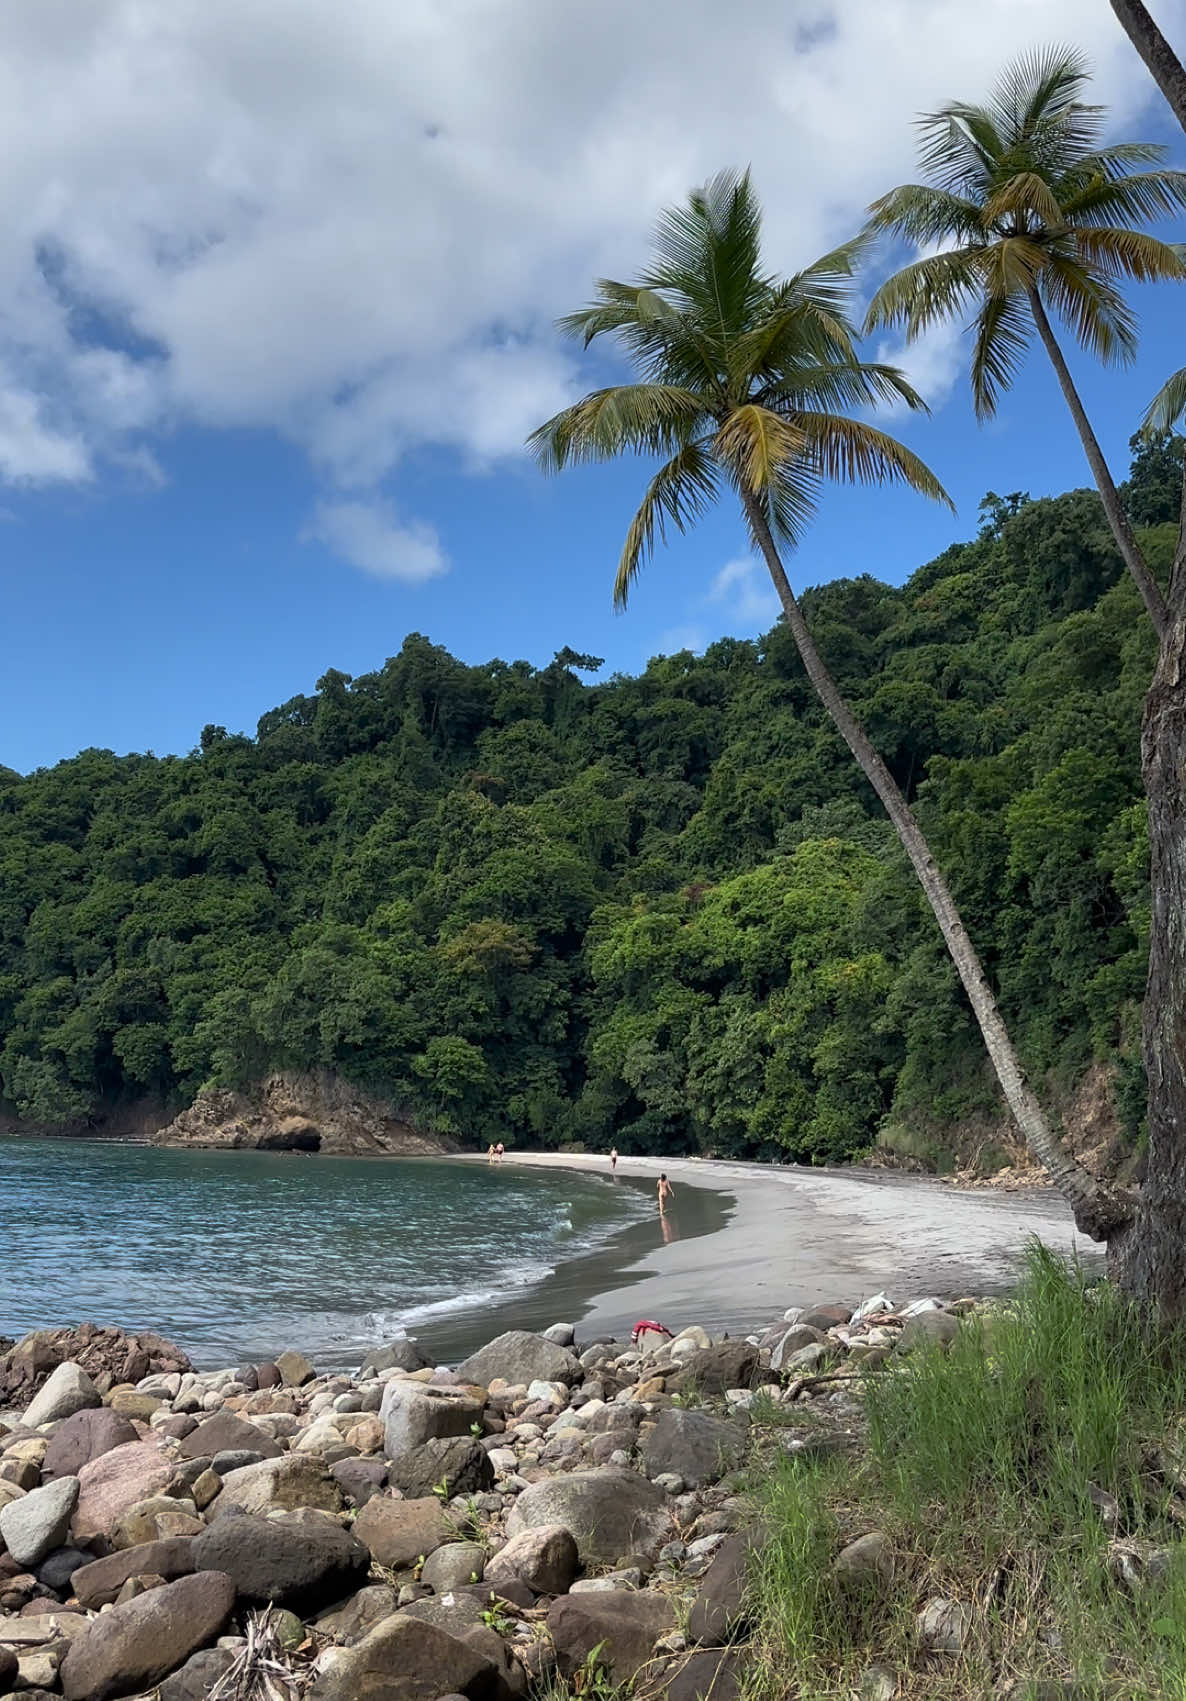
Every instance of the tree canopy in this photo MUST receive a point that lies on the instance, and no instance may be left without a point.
(661, 911)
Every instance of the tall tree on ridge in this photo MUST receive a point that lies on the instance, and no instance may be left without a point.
(1031, 215)
(1161, 61)
(745, 382)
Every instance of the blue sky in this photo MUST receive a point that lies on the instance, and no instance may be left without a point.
(277, 314)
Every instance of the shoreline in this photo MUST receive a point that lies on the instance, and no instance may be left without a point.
(797, 1236)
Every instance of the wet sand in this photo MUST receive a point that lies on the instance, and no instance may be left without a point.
(788, 1236)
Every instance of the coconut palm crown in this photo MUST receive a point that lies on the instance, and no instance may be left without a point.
(1028, 210)
(744, 380)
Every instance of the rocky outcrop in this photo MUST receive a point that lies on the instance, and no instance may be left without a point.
(298, 1113)
(107, 1356)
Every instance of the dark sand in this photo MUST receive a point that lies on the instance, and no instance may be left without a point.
(742, 1242)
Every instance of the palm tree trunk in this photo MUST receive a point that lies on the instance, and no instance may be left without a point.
(1126, 543)
(1098, 1212)
(1162, 62)
(1148, 1258)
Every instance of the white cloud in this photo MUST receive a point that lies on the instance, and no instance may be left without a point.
(743, 588)
(677, 638)
(32, 449)
(353, 227)
(368, 535)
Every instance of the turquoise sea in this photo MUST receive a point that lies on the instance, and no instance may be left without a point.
(238, 1255)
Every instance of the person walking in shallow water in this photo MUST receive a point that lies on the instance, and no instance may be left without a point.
(665, 1192)
(613, 1157)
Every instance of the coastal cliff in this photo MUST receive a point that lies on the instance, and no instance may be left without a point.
(298, 1113)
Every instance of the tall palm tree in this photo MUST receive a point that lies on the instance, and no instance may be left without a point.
(1161, 61)
(746, 382)
(1029, 215)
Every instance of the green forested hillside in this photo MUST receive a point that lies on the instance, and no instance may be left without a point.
(663, 910)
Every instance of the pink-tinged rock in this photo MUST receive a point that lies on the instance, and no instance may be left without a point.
(110, 1484)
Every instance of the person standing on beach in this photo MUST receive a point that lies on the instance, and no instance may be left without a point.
(613, 1157)
(665, 1192)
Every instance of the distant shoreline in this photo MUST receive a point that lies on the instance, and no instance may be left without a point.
(797, 1236)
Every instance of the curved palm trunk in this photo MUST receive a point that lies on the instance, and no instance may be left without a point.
(1148, 1259)
(1161, 61)
(1126, 543)
(1097, 1212)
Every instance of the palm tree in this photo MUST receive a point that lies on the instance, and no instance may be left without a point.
(1028, 214)
(1161, 61)
(747, 382)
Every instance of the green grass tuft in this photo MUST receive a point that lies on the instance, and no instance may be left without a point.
(1008, 1471)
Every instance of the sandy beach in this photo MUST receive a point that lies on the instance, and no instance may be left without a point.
(795, 1236)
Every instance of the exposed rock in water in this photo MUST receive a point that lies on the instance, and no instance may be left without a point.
(298, 1113)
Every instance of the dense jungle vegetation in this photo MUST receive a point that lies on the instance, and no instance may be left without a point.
(663, 911)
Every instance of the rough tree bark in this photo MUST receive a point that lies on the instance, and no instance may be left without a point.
(1098, 1212)
(1126, 543)
(1148, 1258)
(1162, 62)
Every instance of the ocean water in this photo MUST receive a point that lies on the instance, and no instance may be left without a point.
(238, 1255)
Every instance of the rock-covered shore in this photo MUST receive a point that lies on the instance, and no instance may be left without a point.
(409, 1531)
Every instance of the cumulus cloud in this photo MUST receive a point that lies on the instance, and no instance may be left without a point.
(353, 228)
(368, 535)
(744, 591)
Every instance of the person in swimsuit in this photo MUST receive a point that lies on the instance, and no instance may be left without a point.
(665, 1192)
(613, 1157)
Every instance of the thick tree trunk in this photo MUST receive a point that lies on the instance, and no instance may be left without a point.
(1126, 543)
(1162, 62)
(1149, 1257)
(1097, 1212)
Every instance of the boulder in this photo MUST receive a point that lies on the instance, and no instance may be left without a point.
(456, 1462)
(87, 1435)
(398, 1532)
(58, 1569)
(37, 1523)
(545, 1558)
(623, 1627)
(453, 1566)
(67, 1390)
(866, 1565)
(129, 1647)
(403, 1354)
(359, 1479)
(8, 1668)
(714, 1674)
(289, 1482)
(730, 1364)
(351, 1621)
(519, 1356)
(131, 1403)
(107, 1486)
(226, 1433)
(108, 1356)
(195, 1680)
(413, 1413)
(98, 1583)
(304, 1564)
(793, 1340)
(929, 1328)
(560, 1334)
(406, 1659)
(694, 1445)
(826, 1316)
(295, 1369)
(607, 1510)
(944, 1626)
(717, 1610)
(155, 1519)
